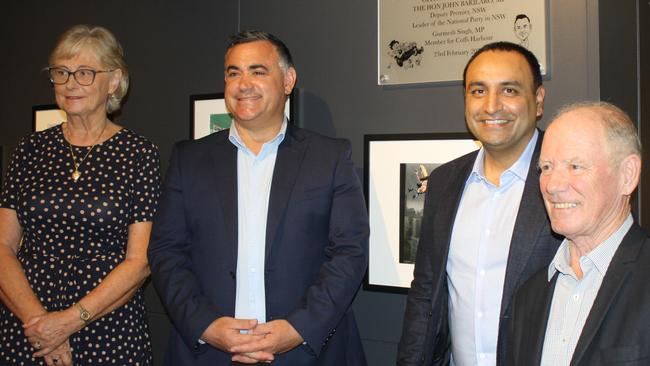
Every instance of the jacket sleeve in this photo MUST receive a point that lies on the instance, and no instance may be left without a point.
(189, 309)
(423, 320)
(329, 297)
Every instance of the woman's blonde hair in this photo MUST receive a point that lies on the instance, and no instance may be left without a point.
(103, 44)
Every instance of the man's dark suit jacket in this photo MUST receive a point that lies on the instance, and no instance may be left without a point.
(617, 329)
(316, 247)
(425, 333)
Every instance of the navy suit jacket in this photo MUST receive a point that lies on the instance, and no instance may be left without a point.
(617, 329)
(425, 333)
(316, 247)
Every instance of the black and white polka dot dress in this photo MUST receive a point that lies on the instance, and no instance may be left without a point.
(75, 233)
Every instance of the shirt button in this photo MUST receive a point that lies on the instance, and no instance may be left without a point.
(482, 272)
(479, 314)
(576, 297)
(481, 356)
(253, 270)
(487, 232)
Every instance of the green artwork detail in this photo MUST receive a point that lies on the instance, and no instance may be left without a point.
(219, 122)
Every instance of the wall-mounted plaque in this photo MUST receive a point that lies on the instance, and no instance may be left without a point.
(423, 41)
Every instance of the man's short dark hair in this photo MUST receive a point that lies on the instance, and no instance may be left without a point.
(509, 47)
(522, 16)
(247, 36)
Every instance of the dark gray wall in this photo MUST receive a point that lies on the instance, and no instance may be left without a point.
(175, 49)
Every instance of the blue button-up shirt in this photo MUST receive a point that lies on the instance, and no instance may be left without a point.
(254, 177)
(478, 255)
(574, 297)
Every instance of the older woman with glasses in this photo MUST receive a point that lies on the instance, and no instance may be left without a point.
(75, 218)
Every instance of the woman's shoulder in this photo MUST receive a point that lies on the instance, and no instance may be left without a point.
(135, 140)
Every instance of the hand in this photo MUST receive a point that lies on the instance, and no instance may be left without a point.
(279, 337)
(48, 331)
(224, 334)
(61, 356)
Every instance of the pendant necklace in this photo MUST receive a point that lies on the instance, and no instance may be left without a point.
(76, 174)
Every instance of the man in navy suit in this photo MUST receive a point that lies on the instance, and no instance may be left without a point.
(591, 305)
(484, 228)
(261, 238)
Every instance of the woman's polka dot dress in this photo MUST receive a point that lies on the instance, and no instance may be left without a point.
(75, 233)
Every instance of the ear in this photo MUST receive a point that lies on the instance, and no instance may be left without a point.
(290, 78)
(540, 93)
(116, 77)
(630, 171)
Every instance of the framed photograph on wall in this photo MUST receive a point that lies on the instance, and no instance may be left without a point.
(208, 113)
(396, 176)
(46, 116)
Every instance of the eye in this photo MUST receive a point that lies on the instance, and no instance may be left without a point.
(544, 167)
(510, 91)
(232, 74)
(84, 72)
(259, 72)
(575, 167)
(60, 72)
(476, 91)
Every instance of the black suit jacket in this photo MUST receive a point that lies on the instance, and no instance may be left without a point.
(425, 333)
(316, 247)
(617, 329)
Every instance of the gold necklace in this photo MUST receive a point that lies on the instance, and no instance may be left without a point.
(76, 174)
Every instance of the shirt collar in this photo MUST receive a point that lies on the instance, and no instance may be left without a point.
(235, 139)
(601, 256)
(519, 168)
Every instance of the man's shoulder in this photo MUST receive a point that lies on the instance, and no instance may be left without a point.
(465, 162)
(315, 140)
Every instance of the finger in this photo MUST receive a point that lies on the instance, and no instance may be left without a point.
(259, 345)
(66, 359)
(49, 361)
(243, 324)
(253, 357)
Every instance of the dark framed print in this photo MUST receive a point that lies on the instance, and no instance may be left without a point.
(46, 116)
(208, 113)
(396, 175)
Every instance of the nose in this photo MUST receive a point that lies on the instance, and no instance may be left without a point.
(493, 102)
(245, 82)
(553, 181)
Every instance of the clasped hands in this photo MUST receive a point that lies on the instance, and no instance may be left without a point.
(259, 343)
(48, 334)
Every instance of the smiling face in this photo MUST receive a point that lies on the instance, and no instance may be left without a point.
(501, 103)
(256, 84)
(522, 28)
(586, 194)
(85, 101)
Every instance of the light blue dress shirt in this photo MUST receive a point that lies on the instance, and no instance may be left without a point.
(254, 178)
(478, 255)
(573, 297)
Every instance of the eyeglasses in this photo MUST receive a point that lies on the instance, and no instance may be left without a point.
(83, 77)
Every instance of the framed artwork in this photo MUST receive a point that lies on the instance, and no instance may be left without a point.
(46, 116)
(208, 113)
(431, 41)
(396, 176)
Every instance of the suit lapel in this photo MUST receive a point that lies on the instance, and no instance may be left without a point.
(287, 166)
(619, 268)
(224, 163)
(444, 224)
(531, 219)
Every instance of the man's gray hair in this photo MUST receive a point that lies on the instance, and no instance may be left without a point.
(620, 131)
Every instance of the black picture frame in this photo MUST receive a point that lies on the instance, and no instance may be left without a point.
(394, 226)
